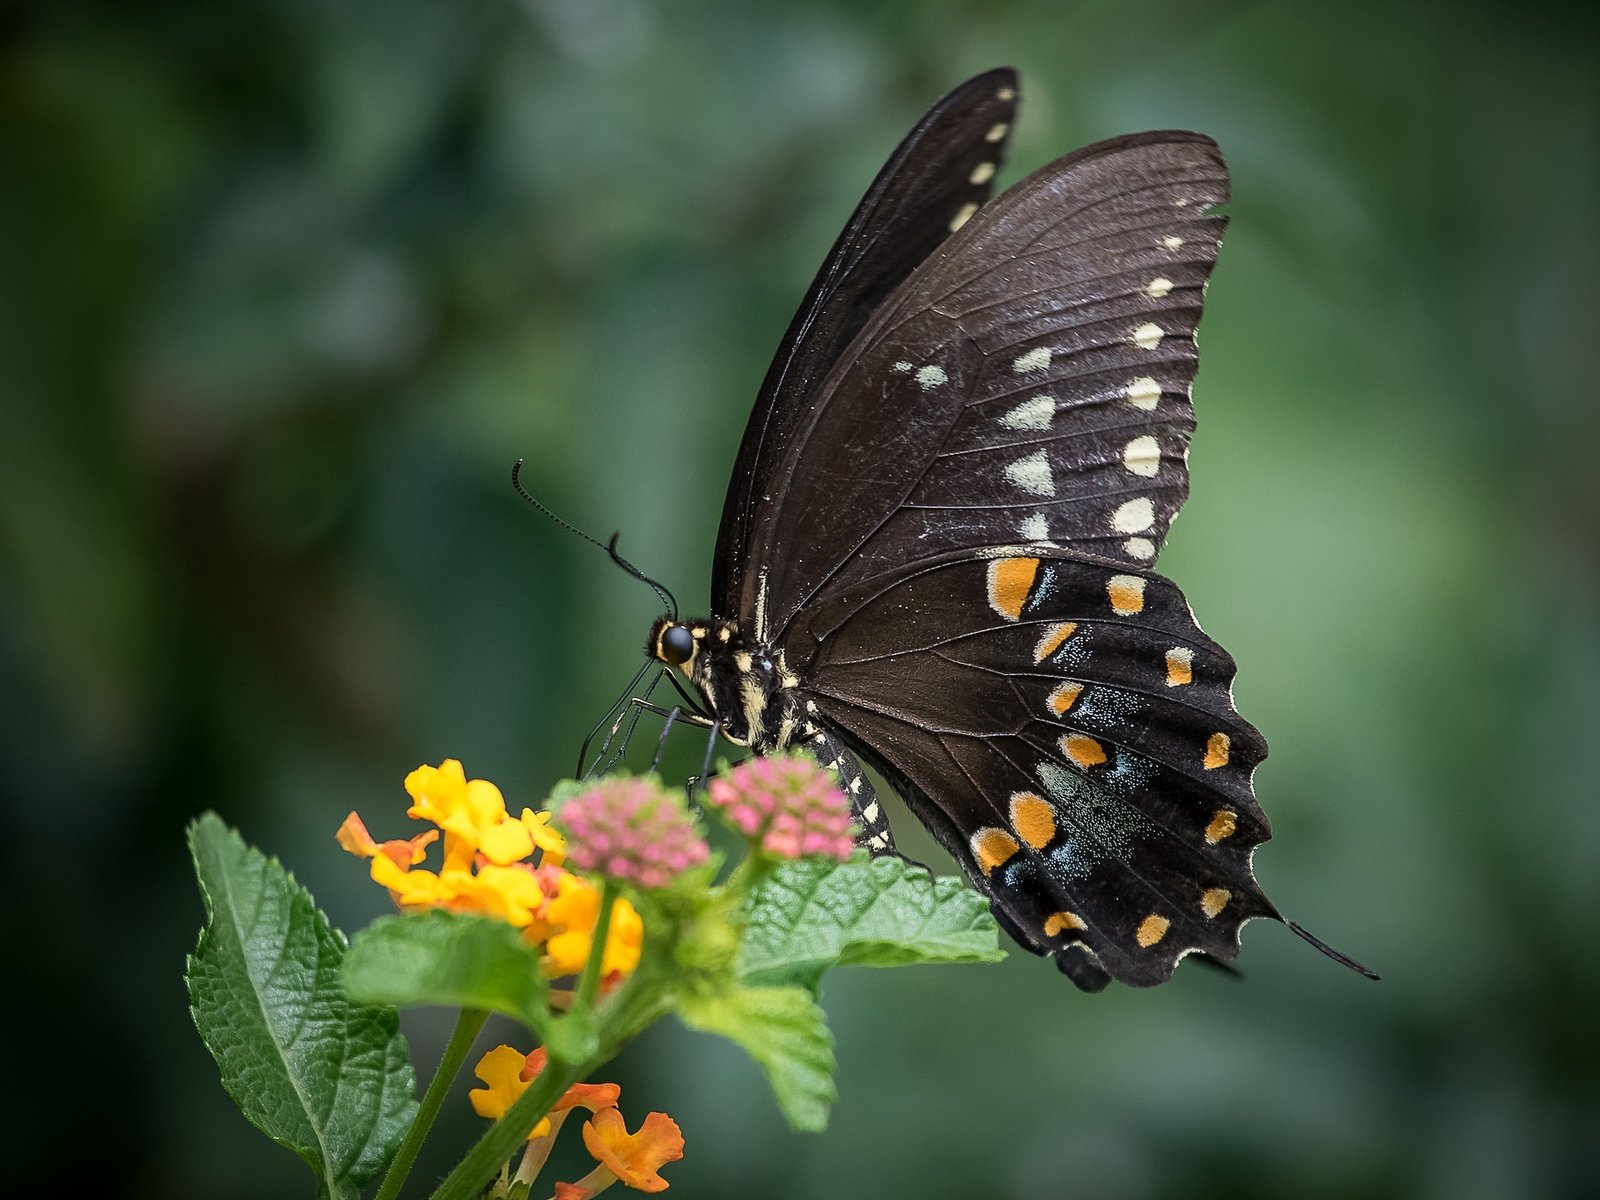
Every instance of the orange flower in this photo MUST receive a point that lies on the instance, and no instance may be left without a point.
(571, 1191)
(632, 1158)
(508, 1072)
(593, 1096)
(404, 853)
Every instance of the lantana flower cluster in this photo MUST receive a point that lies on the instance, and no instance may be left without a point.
(787, 805)
(496, 865)
(632, 1159)
(633, 831)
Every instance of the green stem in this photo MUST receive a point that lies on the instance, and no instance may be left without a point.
(455, 1052)
(497, 1146)
(589, 984)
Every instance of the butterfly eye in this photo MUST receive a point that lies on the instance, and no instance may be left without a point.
(676, 644)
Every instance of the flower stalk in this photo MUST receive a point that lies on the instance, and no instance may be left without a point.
(468, 1025)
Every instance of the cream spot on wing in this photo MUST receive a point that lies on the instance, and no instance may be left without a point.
(981, 173)
(997, 132)
(1142, 455)
(1032, 474)
(1139, 547)
(1214, 901)
(1006, 94)
(1158, 288)
(1181, 202)
(901, 367)
(1180, 666)
(1135, 516)
(1144, 393)
(963, 215)
(1148, 336)
(929, 378)
(1172, 242)
(1126, 593)
(1036, 359)
(1035, 528)
(1031, 414)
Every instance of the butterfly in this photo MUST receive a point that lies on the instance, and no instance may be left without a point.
(936, 552)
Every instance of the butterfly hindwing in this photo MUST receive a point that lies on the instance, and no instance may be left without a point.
(1068, 733)
(1029, 383)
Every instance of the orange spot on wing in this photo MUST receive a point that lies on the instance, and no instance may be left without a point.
(1084, 751)
(1223, 822)
(1054, 638)
(1180, 666)
(1214, 901)
(993, 848)
(1063, 697)
(1216, 751)
(1010, 580)
(1033, 819)
(1151, 930)
(1126, 593)
(1059, 922)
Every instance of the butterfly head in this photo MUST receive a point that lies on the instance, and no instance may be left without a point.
(676, 643)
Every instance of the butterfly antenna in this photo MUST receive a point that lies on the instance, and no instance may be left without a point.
(661, 592)
(660, 589)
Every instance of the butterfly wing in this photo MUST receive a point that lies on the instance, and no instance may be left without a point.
(941, 173)
(1028, 383)
(1028, 386)
(1068, 732)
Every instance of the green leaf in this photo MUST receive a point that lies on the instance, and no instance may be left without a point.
(812, 914)
(784, 1030)
(453, 959)
(327, 1078)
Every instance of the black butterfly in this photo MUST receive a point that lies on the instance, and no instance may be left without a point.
(936, 550)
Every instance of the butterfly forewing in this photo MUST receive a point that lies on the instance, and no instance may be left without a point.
(1029, 383)
(940, 175)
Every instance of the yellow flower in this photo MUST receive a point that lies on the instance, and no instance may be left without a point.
(501, 1069)
(488, 869)
(472, 813)
(546, 837)
(573, 914)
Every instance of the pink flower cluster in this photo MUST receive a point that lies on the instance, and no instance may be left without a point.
(631, 830)
(790, 805)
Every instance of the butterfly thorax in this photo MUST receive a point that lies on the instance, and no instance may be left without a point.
(747, 686)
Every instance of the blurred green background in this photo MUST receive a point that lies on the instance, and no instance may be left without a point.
(286, 285)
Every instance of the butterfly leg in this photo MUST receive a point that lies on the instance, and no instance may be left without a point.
(865, 810)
